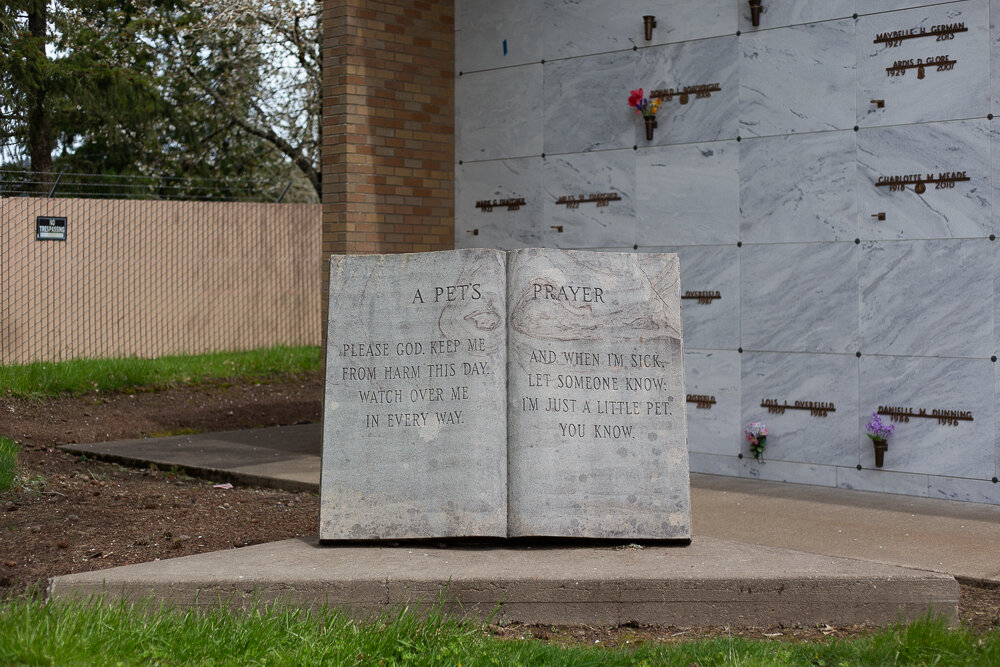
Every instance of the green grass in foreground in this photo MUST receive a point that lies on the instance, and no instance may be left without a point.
(8, 463)
(61, 633)
(43, 379)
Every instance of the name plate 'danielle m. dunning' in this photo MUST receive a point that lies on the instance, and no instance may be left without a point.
(478, 392)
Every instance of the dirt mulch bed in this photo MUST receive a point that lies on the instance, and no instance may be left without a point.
(71, 514)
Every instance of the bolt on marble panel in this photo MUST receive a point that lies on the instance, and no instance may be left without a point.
(949, 209)
(586, 103)
(498, 113)
(589, 225)
(711, 324)
(923, 445)
(799, 435)
(927, 298)
(799, 297)
(784, 91)
(687, 194)
(955, 87)
(689, 118)
(713, 424)
(799, 188)
(781, 13)
(495, 181)
(881, 480)
(490, 34)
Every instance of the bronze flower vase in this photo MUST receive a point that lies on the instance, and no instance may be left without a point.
(650, 122)
(880, 447)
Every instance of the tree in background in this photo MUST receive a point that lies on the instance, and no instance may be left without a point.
(219, 89)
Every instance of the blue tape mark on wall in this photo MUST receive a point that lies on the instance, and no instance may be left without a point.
(505, 47)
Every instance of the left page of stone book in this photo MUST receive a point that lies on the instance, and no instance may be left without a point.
(415, 421)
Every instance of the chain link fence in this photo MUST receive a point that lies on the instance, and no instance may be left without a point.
(98, 278)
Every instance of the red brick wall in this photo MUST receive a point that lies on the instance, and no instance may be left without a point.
(388, 126)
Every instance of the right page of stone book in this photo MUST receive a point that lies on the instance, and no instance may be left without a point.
(597, 437)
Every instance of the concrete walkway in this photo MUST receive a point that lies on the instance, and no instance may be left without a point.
(764, 553)
(961, 539)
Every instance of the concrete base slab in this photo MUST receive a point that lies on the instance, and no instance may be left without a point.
(711, 582)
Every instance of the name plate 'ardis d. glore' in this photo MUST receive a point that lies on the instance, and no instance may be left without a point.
(485, 393)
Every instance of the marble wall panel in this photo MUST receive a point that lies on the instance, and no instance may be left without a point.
(498, 113)
(799, 297)
(958, 89)
(584, 27)
(878, 6)
(995, 55)
(967, 490)
(798, 435)
(927, 298)
(881, 480)
(958, 210)
(713, 464)
(687, 194)
(922, 445)
(684, 119)
(781, 13)
(586, 103)
(995, 173)
(784, 471)
(492, 34)
(798, 79)
(799, 188)
(496, 180)
(589, 225)
(713, 428)
(713, 268)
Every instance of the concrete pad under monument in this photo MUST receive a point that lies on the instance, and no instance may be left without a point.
(483, 393)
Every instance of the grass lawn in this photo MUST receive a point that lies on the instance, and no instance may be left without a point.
(61, 633)
(80, 376)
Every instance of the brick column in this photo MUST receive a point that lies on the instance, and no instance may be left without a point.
(388, 126)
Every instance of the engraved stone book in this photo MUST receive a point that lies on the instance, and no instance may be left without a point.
(488, 393)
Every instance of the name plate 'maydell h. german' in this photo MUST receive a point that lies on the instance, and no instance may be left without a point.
(488, 393)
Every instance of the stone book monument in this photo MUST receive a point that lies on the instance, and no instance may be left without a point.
(483, 393)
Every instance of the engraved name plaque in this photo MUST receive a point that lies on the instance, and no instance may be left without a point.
(943, 417)
(684, 93)
(942, 33)
(942, 63)
(943, 181)
(815, 408)
(600, 199)
(511, 204)
(701, 401)
(702, 296)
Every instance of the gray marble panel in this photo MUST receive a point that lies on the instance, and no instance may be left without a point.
(923, 445)
(688, 118)
(598, 439)
(966, 490)
(713, 464)
(687, 194)
(713, 425)
(490, 34)
(586, 103)
(784, 471)
(785, 91)
(957, 89)
(589, 225)
(683, 20)
(414, 442)
(995, 56)
(927, 298)
(795, 434)
(881, 480)
(799, 297)
(943, 210)
(995, 173)
(498, 113)
(780, 13)
(799, 188)
(709, 324)
(878, 6)
(495, 181)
